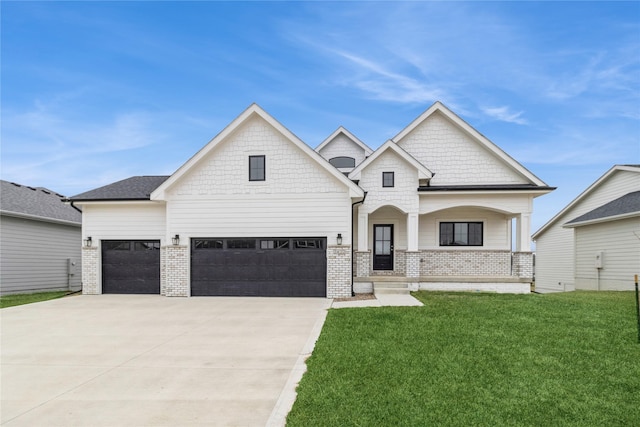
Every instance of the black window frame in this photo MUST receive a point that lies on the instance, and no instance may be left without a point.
(385, 183)
(451, 233)
(256, 170)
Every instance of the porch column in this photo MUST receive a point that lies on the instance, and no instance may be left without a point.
(412, 232)
(363, 232)
(412, 268)
(523, 232)
(363, 256)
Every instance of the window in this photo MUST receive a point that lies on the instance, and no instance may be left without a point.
(207, 244)
(387, 179)
(241, 244)
(343, 162)
(116, 245)
(274, 244)
(256, 168)
(147, 246)
(461, 234)
(307, 244)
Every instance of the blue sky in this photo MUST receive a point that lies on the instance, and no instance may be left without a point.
(95, 92)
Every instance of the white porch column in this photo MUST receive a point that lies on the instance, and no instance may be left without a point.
(363, 232)
(523, 232)
(412, 232)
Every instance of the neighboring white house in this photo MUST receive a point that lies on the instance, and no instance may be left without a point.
(258, 212)
(594, 242)
(40, 238)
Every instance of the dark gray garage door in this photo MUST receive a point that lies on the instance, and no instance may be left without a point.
(130, 267)
(259, 267)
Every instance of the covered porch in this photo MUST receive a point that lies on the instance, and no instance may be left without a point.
(443, 246)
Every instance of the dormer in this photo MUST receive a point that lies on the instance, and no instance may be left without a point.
(343, 150)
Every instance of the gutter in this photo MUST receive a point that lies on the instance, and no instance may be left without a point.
(352, 242)
(72, 205)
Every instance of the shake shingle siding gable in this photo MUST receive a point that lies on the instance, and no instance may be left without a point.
(134, 188)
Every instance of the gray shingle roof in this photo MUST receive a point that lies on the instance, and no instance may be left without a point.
(134, 188)
(35, 201)
(629, 203)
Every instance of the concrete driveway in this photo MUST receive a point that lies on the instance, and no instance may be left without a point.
(137, 360)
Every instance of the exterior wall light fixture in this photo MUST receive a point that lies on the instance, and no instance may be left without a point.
(339, 239)
(88, 242)
(175, 240)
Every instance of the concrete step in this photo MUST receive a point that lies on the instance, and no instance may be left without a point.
(377, 284)
(391, 288)
(391, 291)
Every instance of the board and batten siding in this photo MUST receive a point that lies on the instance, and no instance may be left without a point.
(297, 215)
(130, 221)
(555, 254)
(34, 255)
(619, 242)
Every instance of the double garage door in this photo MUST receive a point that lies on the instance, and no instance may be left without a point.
(225, 267)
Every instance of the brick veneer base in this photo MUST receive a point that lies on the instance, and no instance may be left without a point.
(90, 271)
(339, 271)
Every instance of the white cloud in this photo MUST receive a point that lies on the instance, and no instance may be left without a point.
(504, 114)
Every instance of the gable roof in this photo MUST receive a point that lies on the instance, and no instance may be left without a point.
(423, 172)
(584, 194)
(438, 107)
(352, 137)
(36, 203)
(134, 188)
(623, 207)
(255, 110)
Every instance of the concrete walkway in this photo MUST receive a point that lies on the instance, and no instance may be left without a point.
(137, 360)
(381, 300)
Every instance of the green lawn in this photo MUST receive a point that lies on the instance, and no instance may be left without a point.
(568, 359)
(20, 299)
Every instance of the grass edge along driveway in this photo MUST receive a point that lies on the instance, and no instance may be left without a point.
(12, 300)
(477, 359)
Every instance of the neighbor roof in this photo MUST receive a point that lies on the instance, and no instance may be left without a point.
(584, 194)
(36, 203)
(134, 188)
(622, 207)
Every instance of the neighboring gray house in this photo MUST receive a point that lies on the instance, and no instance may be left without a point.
(258, 212)
(594, 242)
(40, 240)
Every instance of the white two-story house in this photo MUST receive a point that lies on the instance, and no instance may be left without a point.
(258, 212)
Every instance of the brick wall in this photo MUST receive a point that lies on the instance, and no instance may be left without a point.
(339, 271)
(176, 272)
(399, 265)
(465, 263)
(523, 264)
(90, 271)
(363, 261)
(412, 264)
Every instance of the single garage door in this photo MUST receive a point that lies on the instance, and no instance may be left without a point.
(131, 267)
(282, 267)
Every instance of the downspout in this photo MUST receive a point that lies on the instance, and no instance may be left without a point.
(352, 242)
(72, 205)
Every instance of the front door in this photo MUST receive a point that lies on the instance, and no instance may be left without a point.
(383, 247)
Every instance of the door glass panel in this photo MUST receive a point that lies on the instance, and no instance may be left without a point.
(386, 248)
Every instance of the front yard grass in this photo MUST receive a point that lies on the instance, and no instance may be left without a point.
(20, 299)
(569, 359)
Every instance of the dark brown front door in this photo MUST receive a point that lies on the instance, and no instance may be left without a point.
(383, 247)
